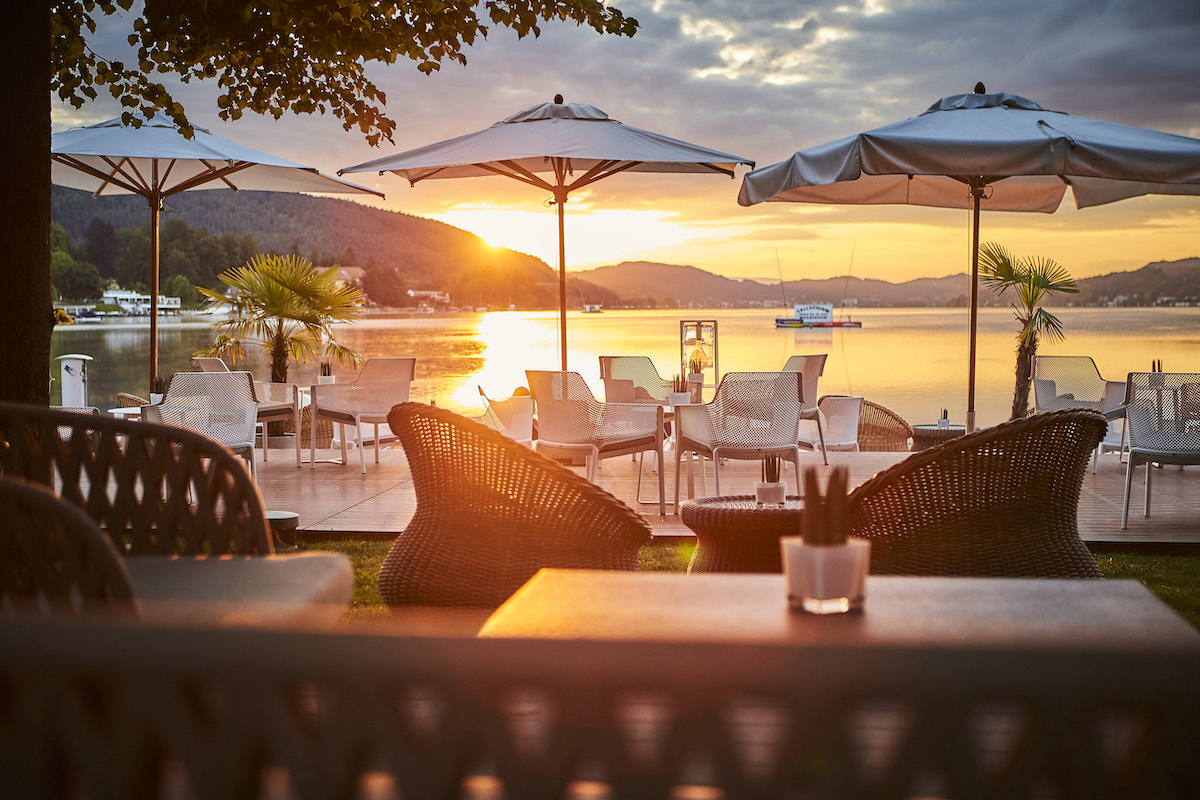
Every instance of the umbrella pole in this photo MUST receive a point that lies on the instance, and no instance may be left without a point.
(560, 199)
(976, 194)
(155, 205)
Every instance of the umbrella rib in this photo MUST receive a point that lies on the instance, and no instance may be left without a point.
(212, 174)
(105, 177)
(604, 169)
(518, 173)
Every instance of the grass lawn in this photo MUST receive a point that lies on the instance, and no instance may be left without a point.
(1174, 579)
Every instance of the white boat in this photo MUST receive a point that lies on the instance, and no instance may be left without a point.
(592, 308)
(814, 315)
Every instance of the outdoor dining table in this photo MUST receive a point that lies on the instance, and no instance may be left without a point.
(899, 611)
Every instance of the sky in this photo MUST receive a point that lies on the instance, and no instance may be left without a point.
(762, 79)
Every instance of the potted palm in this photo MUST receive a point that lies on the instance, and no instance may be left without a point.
(826, 568)
(1033, 278)
(286, 305)
(770, 490)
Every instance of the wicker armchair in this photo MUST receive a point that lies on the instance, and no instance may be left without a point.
(56, 561)
(571, 422)
(632, 379)
(753, 414)
(1162, 410)
(219, 405)
(127, 400)
(491, 513)
(811, 368)
(154, 489)
(380, 384)
(880, 429)
(998, 502)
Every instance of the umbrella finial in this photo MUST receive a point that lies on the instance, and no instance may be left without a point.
(980, 88)
(558, 99)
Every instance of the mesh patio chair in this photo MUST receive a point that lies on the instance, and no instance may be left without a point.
(491, 513)
(56, 561)
(207, 364)
(753, 414)
(513, 417)
(380, 384)
(1162, 412)
(278, 402)
(880, 430)
(219, 405)
(811, 368)
(154, 489)
(839, 418)
(1074, 382)
(632, 379)
(572, 422)
(999, 502)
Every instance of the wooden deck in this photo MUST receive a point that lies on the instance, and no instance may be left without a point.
(334, 500)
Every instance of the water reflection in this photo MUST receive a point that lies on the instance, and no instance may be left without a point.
(910, 360)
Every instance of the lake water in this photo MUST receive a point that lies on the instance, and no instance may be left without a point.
(911, 360)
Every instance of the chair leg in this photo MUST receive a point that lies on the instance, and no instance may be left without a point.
(678, 459)
(266, 443)
(376, 442)
(716, 459)
(662, 481)
(1149, 474)
(821, 436)
(312, 436)
(296, 436)
(1129, 467)
(342, 433)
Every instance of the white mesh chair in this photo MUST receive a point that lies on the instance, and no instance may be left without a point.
(1162, 416)
(1074, 382)
(753, 414)
(278, 402)
(220, 405)
(632, 379)
(381, 384)
(207, 364)
(571, 421)
(512, 417)
(811, 368)
(839, 417)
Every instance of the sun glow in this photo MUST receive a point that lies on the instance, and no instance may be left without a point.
(593, 238)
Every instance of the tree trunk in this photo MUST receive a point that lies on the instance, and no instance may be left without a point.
(1026, 350)
(25, 306)
(279, 356)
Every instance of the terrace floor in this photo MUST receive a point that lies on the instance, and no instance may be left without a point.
(334, 500)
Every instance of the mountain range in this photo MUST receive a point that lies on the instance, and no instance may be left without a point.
(428, 254)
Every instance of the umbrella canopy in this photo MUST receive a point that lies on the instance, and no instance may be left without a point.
(576, 143)
(1002, 149)
(156, 161)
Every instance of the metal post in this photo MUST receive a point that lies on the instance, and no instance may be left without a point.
(155, 205)
(560, 199)
(977, 187)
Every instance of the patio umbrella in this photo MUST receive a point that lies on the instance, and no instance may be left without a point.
(577, 144)
(968, 150)
(155, 161)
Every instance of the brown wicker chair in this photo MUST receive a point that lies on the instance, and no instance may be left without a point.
(491, 513)
(881, 429)
(55, 560)
(997, 502)
(155, 489)
(127, 400)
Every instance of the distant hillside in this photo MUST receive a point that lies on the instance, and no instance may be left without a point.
(687, 286)
(1162, 282)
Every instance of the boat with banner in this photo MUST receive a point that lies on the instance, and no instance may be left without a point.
(814, 315)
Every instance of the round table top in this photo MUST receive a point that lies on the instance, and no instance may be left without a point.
(933, 427)
(741, 502)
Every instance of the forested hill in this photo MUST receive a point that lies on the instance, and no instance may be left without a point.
(423, 253)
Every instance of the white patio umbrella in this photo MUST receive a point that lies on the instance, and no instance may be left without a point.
(999, 151)
(577, 143)
(156, 161)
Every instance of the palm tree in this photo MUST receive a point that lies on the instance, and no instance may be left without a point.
(288, 306)
(1033, 278)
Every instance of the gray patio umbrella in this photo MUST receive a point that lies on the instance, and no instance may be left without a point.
(998, 151)
(577, 143)
(156, 161)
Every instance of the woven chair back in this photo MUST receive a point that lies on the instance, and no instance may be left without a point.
(811, 367)
(154, 489)
(567, 411)
(219, 405)
(1162, 412)
(994, 503)
(56, 561)
(632, 379)
(491, 513)
(756, 410)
